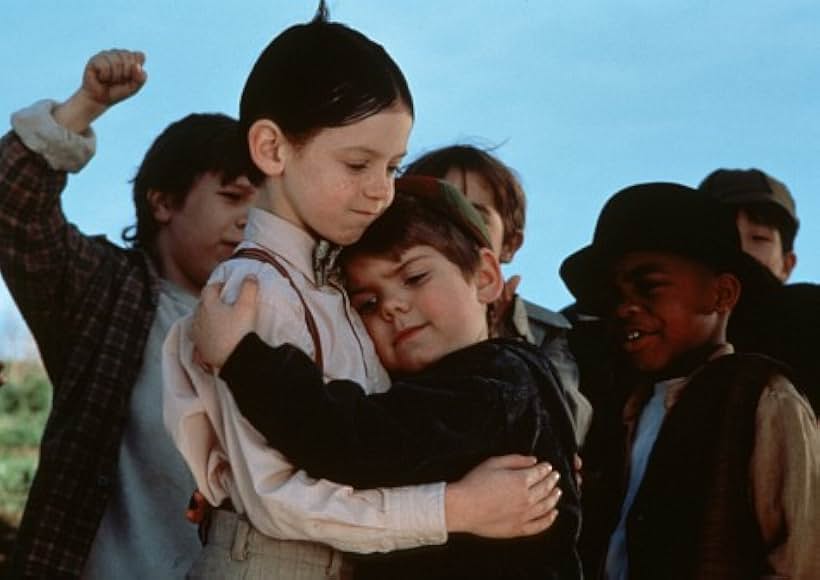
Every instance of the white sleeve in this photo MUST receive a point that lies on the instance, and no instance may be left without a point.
(62, 149)
(229, 458)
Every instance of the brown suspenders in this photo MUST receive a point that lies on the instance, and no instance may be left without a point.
(265, 256)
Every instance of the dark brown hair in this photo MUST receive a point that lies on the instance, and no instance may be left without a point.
(508, 195)
(317, 75)
(412, 221)
(186, 150)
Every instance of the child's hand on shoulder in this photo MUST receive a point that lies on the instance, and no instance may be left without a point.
(217, 328)
(503, 304)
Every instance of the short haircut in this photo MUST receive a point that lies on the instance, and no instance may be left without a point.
(317, 75)
(411, 221)
(769, 214)
(508, 195)
(185, 151)
(766, 200)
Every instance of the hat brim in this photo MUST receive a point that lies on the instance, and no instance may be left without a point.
(587, 274)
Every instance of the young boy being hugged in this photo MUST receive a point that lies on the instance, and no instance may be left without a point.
(421, 277)
(723, 467)
(496, 192)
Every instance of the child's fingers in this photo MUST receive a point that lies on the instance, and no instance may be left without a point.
(577, 470)
(99, 67)
(540, 524)
(541, 489)
(511, 286)
(511, 462)
(211, 293)
(248, 293)
(132, 62)
(197, 360)
(117, 66)
(543, 514)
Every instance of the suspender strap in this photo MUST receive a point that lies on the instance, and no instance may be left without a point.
(265, 256)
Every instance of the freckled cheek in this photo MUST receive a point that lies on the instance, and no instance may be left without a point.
(343, 189)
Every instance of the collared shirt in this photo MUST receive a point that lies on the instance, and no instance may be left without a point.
(229, 459)
(548, 331)
(89, 305)
(648, 427)
(784, 472)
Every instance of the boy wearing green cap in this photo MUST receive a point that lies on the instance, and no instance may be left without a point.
(421, 278)
(720, 474)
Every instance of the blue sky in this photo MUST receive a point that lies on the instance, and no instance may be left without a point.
(582, 98)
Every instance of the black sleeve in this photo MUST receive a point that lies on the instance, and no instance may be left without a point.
(412, 434)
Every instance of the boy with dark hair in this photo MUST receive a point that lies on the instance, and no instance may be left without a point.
(108, 472)
(496, 192)
(421, 278)
(722, 472)
(765, 214)
(785, 324)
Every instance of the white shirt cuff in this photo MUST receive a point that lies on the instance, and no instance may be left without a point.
(62, 149)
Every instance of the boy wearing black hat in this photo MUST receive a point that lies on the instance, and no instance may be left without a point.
(720, 477)
(421, 278)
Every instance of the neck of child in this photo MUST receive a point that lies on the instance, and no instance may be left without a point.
(272, 201)
(170, 269)
(689, 362)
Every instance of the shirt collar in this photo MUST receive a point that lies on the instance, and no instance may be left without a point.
(316, 260)
(674, 389)
(520, 320)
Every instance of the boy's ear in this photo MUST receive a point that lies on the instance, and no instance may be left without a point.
(789, 262)
(160, 205)
(511, 246)
(266, 143)
(489, 281)
(727, 292)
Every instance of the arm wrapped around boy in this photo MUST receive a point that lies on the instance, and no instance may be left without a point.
(492, 398)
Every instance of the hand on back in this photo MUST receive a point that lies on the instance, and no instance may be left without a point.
(504, 497)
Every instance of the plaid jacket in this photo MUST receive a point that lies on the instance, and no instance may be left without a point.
(89, 305)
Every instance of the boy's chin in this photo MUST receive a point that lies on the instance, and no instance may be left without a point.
(660, 368)
(649, 367)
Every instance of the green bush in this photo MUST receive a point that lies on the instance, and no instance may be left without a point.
(27, 393)
(25, 401)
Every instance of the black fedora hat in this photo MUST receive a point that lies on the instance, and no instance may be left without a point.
(662, 217)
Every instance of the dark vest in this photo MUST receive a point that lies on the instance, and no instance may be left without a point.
(693, 517)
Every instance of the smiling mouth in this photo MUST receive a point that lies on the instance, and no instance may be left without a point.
(406, 334)
(634, 340)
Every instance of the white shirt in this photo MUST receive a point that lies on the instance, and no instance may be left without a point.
(230, 459)
(649, 425)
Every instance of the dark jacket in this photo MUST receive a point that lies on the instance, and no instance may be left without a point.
(784, 325)
(89, 305)
(496, 397)
(690, 519)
